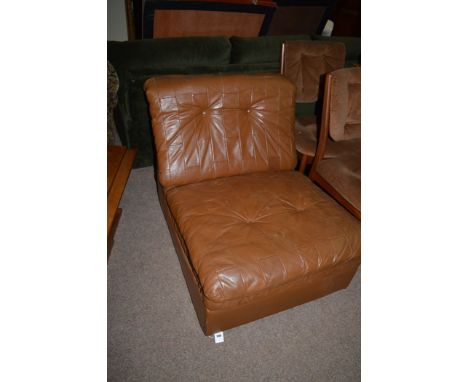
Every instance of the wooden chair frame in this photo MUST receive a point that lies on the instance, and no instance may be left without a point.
(320, 152)
(304, 159)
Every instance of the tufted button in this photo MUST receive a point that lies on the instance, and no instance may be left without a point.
(204, 112)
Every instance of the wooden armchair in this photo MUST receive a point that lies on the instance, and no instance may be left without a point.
(305, 63)
(340, 174)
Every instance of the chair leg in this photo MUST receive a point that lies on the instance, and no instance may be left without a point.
(303, 163)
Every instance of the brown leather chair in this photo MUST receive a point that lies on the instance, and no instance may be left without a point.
(339, 173)
(253, 236)
(305, 63)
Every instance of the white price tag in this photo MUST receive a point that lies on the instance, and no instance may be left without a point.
(219, 337)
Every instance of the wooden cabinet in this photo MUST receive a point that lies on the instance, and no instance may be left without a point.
(119, 164)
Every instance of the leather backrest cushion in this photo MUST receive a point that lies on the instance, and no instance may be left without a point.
(345, 104)
(136, 113)
(213, 126)
(305, 62)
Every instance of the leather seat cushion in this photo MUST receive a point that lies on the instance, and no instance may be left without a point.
(250, 234)
(343, 172)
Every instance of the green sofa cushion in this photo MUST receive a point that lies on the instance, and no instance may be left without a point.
(169, 52)
(309, 108)
(136, 61)
(266, 67)
(248, 50)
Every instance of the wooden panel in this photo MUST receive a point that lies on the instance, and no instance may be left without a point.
(119, 165)
(267, 3)
(347, 18)
(298, 19)
(179, 23)
(114, 157)
(130, 20)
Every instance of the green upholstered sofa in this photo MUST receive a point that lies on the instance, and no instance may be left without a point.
(136, 61)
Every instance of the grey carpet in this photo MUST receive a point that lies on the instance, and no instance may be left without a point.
(153, 332)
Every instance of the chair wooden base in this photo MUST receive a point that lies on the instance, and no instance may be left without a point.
(304, 161)
(329, 189)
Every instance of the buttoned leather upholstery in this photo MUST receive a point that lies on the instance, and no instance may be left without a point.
(251, 233)
(253, 236)
(229, 125)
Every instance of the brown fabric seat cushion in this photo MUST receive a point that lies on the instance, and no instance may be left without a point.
(306, 136)
(250, 234)
(343, 171)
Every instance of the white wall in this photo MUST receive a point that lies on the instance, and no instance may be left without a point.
(116, 20)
